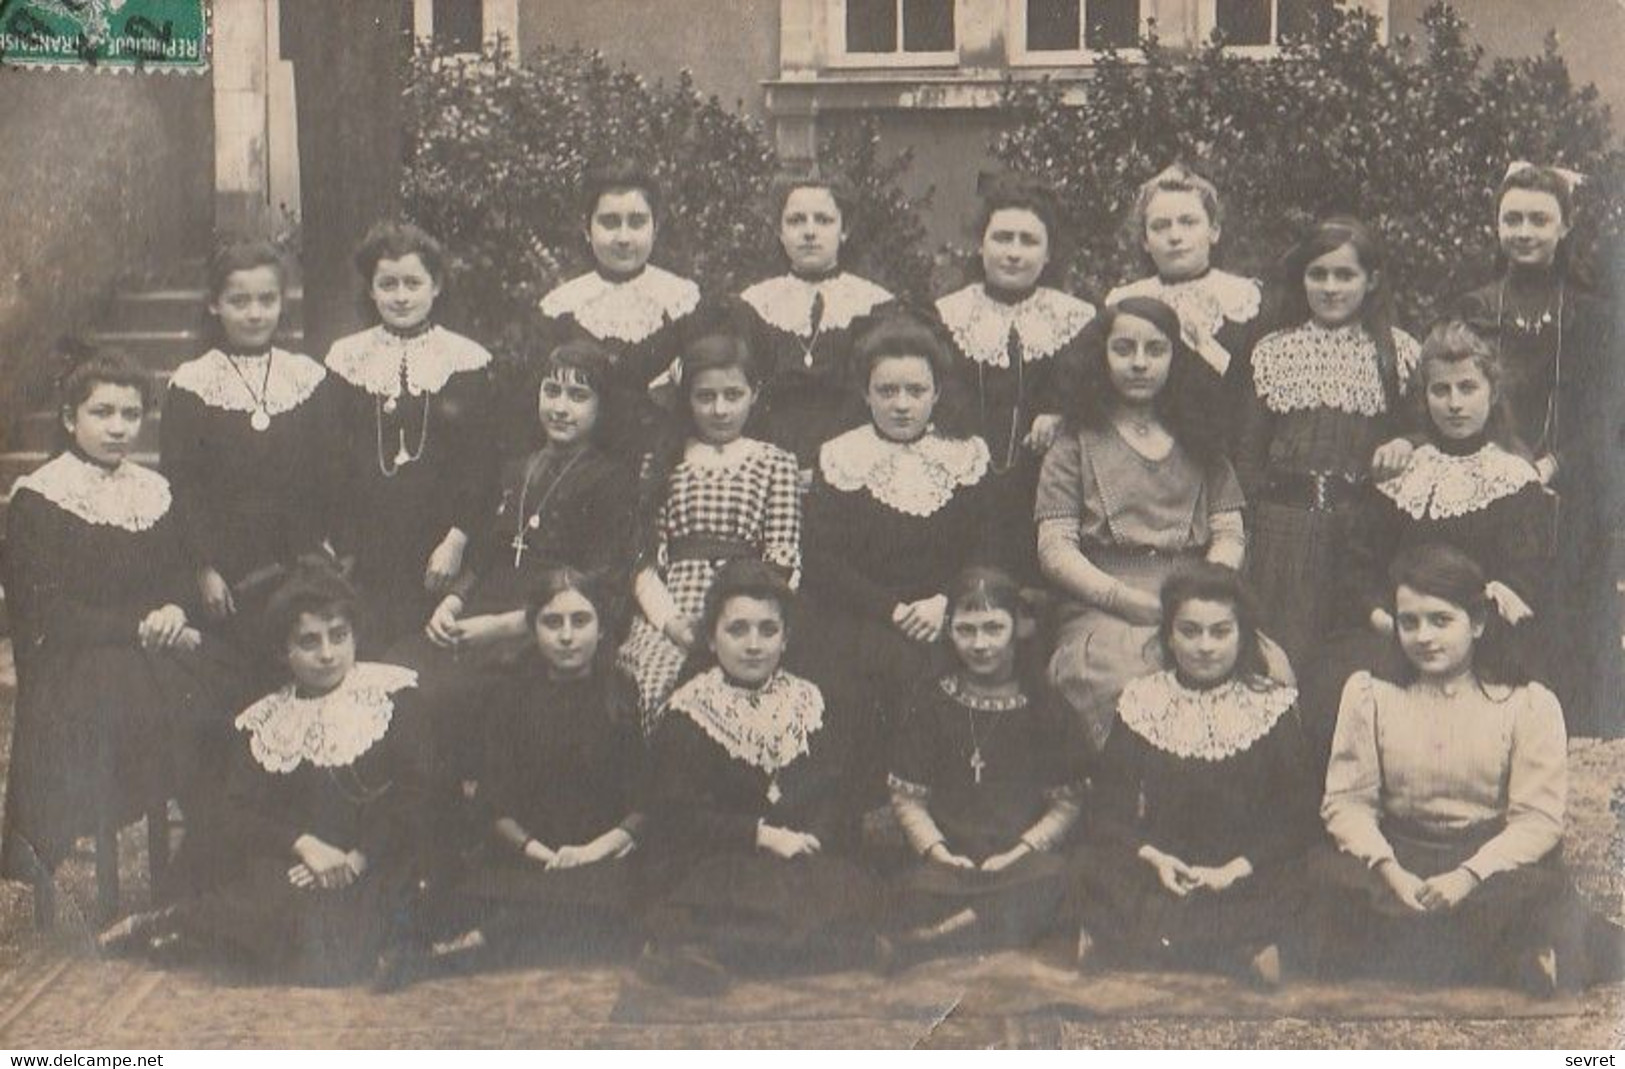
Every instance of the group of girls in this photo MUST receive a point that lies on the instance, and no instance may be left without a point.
(634, 668)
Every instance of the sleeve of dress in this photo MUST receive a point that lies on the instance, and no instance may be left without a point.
(1373, 538)
(910, 775)
(1253, 441)
(1537, 788)
(606, 528)
(36, 583)
(682, 809)
(346, 411)
(329, 506)
(781, 524)
(469, 479)
(1227, 543)
(1060, 481)
(1119, 795)
(393, 827)
(1062, 560)
(830, 530)
(252, 821)
(1352, 806)
(1061, 775)
(1521, 546)
(632, 756)
(494, 532)
(500, 776)
(184, 459)
(1289, 826)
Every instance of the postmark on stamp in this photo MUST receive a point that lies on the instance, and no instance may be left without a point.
(152, 35)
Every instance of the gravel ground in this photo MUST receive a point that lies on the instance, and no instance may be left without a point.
(1595, 847)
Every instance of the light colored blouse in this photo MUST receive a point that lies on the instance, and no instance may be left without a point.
(1448, 763)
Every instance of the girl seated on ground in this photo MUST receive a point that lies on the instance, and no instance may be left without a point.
(749, 817)
(1445, 800)
(1204, 797)
(981, 786)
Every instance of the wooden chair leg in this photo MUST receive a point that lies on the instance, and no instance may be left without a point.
(158, 851)
(107, 888)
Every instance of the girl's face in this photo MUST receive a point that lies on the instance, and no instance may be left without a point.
(1336, 285)
(249, 306)
(749, 639)
(1179, 233)
(1015, 249)
(985, 640)
(569, 410)
(622, 231)
(404, 291)
(1531, 227)
(104, 425)
(720, 399)
(1436, 635)
(1138, 359)
(902, 395)
(1205, 640)
(811, 230)
(566, 632)
(1459, 397)
(321, 652)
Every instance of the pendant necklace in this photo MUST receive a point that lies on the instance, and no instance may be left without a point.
(260, 420)
(535, 521)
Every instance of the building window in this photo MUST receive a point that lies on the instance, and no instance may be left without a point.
(458, 25)
(1265, 23)
(463, 26)
(894, 32)
(1060, 31)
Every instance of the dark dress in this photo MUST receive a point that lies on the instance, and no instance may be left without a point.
(724, 760)
(104, 730)
(564, 759)
(1472, 495)
(1012, 354)
(640, 320)
(420, 455)
(989, 774)
(887, 523)
(1318, 407)
(802, 332)
(1562, 395)
(1206, 776)
(251, 501)
(1219, 314)
(572, 507)
(353, 769)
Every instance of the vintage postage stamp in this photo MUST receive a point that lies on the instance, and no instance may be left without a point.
(152, 35)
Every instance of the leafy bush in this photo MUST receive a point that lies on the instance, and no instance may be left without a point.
(496, 151)
(1412, 137)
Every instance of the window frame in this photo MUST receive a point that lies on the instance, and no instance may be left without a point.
(496, 17)
(1207, 21)
(840, 58)
(1019, 55)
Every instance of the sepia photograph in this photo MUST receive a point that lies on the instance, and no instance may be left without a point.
(812, 524)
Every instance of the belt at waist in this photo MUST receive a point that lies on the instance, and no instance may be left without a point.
(1316, 491)
(695, 547)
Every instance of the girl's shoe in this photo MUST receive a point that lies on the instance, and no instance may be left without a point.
(1538, 976)
(1086, 956)
(685, 969)
(136, 933)
(1264, 968)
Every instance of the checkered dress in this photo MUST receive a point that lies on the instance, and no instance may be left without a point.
(756, 501)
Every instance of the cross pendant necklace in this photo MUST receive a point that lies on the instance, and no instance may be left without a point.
(534, 521)
(977, 764)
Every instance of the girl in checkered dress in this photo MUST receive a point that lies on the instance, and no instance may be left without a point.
(711, 495)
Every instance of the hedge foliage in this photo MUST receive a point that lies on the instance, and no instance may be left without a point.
(1411, 136)
(496, 150)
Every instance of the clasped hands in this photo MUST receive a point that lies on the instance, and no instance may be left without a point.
(940, 853)
(1435, 894)
(614, 843)
(1180, 879)
(323, 866)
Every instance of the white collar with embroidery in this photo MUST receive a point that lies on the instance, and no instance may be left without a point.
(1204, 305)
(916, 478)
(1044, 320)
(129, 496)
(1311, 366)
(1436, 485)
(372, 360)
(1209, 725)
(786, 301)
(332, 731)
(955, 688)
(627, 311)
(767, 728)
(212, 378)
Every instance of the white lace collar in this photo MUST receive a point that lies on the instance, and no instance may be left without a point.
(786, 301)
(705, 457)
(766, 728)
(372, 360)
(625, 311)
(1204, 305)
(1439, 486)
(1311, 366)
(916, 478)
(1045, 320)
(129, 496)
(293, 378)
(1209, 725)
(332, 731)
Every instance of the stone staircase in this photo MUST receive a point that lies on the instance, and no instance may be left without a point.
(160, 327)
